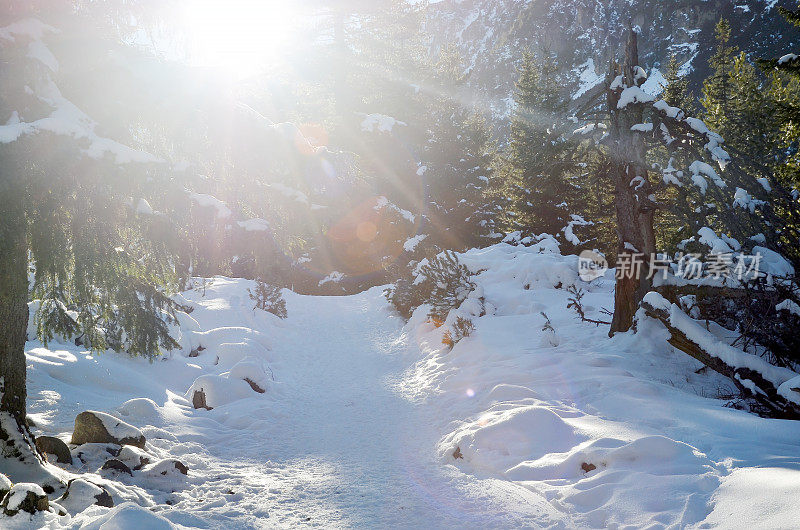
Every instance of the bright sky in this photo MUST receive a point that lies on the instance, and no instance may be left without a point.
(238, 35)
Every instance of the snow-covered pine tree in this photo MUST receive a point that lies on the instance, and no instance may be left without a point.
(458, 161)
(67, 218)
(743, 107)
(636, 122)
(540, 168)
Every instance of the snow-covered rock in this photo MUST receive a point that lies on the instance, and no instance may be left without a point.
(98, 427)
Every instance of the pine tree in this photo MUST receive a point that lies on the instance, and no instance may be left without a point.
(676, 90)
(540, 164)
(67, 214)
(743, 106)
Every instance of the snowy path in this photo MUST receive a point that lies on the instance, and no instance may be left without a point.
(347, 449)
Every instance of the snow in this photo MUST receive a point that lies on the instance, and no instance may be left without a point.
(143, 207)
(209, 201)
(772, 262)
(655, 82)
(790, 306)
(379, 122)
(697, 333)
(717, 244)
(363, 413)
(382, 202)
(115, 427)
(290, 192)
(65, 118)
(254, 225)
(588, 78)
(633, 95)
(334, 277)
(19, 492)
(127, 516)
(670, 112)
(412, 242)
(744, 200)
(789, 57)
(699, 169)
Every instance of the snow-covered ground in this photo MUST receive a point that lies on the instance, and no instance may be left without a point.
(362, 415)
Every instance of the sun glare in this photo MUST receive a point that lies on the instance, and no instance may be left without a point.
(237, 35)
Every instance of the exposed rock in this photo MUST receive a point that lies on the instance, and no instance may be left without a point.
(54, 446)
(5, 486)
(25, 497)
(167, 467)
(98, 427)
(82, 493)
(199, 400)
(254, 386)
(588, 467)
(116, 465)
(457, 453)
(133, 457)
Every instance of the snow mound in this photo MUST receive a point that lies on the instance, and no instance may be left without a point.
(498, 440)
(127, 516)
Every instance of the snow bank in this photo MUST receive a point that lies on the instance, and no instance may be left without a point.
(615, 431)
(127, 516)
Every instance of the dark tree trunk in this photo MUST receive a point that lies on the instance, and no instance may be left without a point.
(14, 433)
(632, 189)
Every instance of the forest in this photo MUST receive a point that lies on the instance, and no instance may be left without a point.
(399, 264)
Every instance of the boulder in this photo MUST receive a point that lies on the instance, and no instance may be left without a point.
(199, 400)
(5, 486)
(133, 457)
(82, 493)
(99, 427)
(167, 467)
(25, 497)
(51, 445)
(116, 465)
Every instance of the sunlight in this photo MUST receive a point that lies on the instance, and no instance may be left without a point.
(240, 36)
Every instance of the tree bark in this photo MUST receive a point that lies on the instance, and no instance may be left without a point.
(13, 326)
(632, 189)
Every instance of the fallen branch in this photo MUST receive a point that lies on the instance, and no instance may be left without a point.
(762, 388)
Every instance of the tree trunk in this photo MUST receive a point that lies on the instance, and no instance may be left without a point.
(768, 399)
(15, 437)
(632, 189)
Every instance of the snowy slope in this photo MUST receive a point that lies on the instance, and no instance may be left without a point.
(361, 417)
(492, 34)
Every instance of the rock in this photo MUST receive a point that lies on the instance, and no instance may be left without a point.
(54, 446)
(5, 486)
(167, 467)
(25, 497)
(457, 453)
(133, 457)
(116, 465)
(254, 386)
(98, 427)
(588, 467)
(199, 400)
(82, 493)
